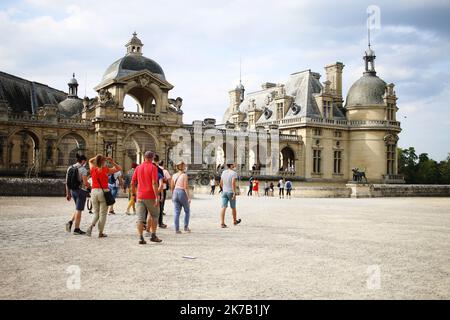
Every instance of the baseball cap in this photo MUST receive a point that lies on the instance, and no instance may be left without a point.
(230, 162)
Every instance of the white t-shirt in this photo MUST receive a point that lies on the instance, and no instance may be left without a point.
(227, 178)
(281, 184)
(212, 182)
(117, 182)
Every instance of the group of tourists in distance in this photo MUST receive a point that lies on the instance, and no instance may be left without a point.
(147, 185)
(253, 188)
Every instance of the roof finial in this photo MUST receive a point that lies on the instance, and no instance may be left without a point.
(240, 70)
(368, 29)
(73, 75)
(134, 33)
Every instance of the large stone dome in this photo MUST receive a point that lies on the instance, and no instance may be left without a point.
(132, 63)
(70, 107)
(366, 91)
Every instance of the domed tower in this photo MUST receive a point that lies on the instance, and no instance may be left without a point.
(72, 105)
(137, 76)
(371, 110)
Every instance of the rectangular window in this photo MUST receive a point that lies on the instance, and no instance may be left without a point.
(391, 149)
(280, 110)
(390, 112)
(317, 132)
(317, 161)
(338, 134)
(337, 162)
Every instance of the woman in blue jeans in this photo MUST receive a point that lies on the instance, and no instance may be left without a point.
(179, 186)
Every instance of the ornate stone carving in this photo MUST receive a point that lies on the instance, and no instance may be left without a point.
(296, 109)
(175, 105)
(144, 80)
(390, 139)
(105, 97)
(267, 113)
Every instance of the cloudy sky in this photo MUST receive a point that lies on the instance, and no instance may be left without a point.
(199, 44)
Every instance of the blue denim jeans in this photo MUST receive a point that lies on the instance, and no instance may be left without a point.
(114, 191)
(180, 200)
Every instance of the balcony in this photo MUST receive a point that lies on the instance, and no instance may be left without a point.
(140, 117)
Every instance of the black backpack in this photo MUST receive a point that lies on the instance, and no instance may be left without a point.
(73, 178)
(112, 179)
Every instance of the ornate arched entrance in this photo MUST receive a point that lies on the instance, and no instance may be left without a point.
(68, 147)
(136, 145)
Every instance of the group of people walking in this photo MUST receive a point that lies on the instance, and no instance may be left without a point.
(147, 186)
(269, 188)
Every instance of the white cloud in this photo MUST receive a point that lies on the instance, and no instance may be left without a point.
(199, 44)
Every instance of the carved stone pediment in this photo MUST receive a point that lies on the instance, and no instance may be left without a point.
(390, 139)
(143, 80)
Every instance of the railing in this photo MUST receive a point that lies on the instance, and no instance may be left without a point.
(17, 117)
(335, 122)
(135, 116)
(288, 137)
(393, 178)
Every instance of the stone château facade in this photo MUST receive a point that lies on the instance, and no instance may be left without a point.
(320, 138)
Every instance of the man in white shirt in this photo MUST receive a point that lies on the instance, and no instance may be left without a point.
(228, 185)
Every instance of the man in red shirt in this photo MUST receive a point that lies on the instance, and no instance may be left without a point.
(146, 177)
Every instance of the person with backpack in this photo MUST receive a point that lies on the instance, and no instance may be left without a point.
(77, 187)
(288, 187)
(115, 181)
(281, 188)
(160, 189)
(100, 172)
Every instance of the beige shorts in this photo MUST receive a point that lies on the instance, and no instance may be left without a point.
(142, 206)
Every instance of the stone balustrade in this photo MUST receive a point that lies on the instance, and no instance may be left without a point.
(140, 117)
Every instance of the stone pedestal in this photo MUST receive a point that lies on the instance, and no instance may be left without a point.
(360, 190)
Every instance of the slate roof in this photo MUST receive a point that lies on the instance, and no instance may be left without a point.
(302, 86)
(130, 64)
(366, 91)
(24, 95)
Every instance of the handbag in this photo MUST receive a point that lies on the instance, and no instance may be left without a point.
(108, 195)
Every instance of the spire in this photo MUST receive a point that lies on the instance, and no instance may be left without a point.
(240, 87)
(134, 46)
(73, 87)
(369, 56)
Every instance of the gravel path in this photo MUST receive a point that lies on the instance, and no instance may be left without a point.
(392, 248)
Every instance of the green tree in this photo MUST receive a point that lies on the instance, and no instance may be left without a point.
(407, 162)
(427, 170)
(444, 168)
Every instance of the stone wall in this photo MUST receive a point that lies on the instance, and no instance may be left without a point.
(388, 190)
(32, 187)
(55, 188)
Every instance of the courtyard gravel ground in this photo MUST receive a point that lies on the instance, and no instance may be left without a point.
(284, 249)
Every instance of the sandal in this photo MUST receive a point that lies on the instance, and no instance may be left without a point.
(237, 222)
(224, 225)
(102, 235)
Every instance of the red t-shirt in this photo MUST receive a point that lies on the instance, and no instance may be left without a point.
(145, 174)
(101, 174)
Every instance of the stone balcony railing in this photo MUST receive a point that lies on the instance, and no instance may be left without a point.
(393, 178)
(140, 117)
(335, 122)
(33, 118)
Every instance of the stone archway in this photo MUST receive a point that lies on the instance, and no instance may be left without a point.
(23, 150)
(146, 100)
(135, 147)
(287, 159)
(68, 147)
